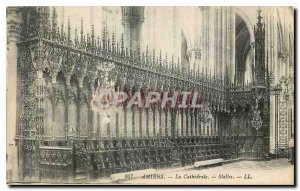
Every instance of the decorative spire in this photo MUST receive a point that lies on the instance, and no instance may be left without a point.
(172, 63)
(122, 44)
(118, 48)
(166, 60)
(88, 41)
(178, 65)
(58, 33)
(93, 36)
(113, 42)
(69, 31)
(160, 61)
(81, 32)
(147, 54)
(153, 57)
(98, 44)
(84, 42)
(54, 23)
(259, 17)
(47, 22)
(108, 44)
(259, 34)
(143, 58)
(126, 53)
(62, 36)
(104, 39)
(76, 38)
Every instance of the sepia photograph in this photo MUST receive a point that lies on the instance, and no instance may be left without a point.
(150, 95)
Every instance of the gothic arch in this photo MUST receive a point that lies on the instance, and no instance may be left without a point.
(188, 39)
(243, 52)
(247, 21)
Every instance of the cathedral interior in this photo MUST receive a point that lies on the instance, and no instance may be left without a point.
(239, 59)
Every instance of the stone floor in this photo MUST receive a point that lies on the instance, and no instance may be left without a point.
(275, 172)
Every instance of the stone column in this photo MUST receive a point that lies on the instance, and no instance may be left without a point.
(136, 121)
(132, 19)
(169, 126)
(179, 122)
(150, 122)
(232, 43)
(128, 127)
(14, 20)
(156, 122)
(272, 121)
(144, 122)
(184, 129)
(216, 40)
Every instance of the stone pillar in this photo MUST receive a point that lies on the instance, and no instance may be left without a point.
(162, 123)
(189, 125)
(232, 44)
(156, 128)
(14, 20)
(121, 112)
(184, 130)
(216, 40)
(211, 125)
(144, 122)
(132, 19)
(179, 122)
(135, 126)
(150, 122)
(272, 122)
(128, 127)
(137, 122)
(216, 124)
(205, 38)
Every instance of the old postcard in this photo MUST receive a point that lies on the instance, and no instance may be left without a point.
(150, 95)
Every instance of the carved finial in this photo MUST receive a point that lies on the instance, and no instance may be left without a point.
(113, 42)
(259, 17)
(76, 38)
(93, 36)
(130, 53)
(104, 39)
(126, 52)
(54, 23)
(147, 53)
(153, 56)
(108, 44)
(139, 53)
(143, 58)
(58, 33)
(47, 15)
(69, 31)
(98, 44)
(88, 41)
(166, 60)
(118, 48)
(122, 45)
(160, 61)
(81, 31)
(84, 42)
(62, 31)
